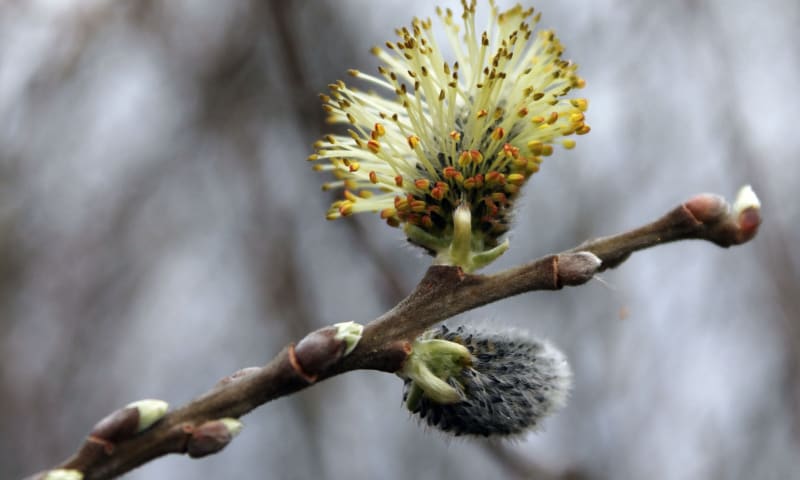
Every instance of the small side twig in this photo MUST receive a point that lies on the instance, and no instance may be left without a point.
(444, 291)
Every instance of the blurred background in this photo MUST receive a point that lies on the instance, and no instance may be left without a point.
(160, 228)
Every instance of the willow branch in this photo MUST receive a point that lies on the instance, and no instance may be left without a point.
(113, 448)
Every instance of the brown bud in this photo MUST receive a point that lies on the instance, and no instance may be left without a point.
(212, 436)
(706, 207)
(577, 268)
(130, 420)
(319, 350)
(322, 348)
(119, 425)
(749, 221)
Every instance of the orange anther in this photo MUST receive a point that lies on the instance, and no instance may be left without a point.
(495, 177)
(511, 150)
(476, 156)
(417, 205)
(345, 209)
(479, 180)
(516, 178)
(499, 197)
(350, 196)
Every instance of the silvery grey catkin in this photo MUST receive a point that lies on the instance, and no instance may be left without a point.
(512, 383)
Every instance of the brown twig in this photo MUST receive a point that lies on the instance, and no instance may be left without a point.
(444, 291)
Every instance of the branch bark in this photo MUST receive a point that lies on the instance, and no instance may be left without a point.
(443, 292)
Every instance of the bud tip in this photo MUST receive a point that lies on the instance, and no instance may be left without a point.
(233, 425)
(351, 333)
(63, 474)
(746, 198)
(150, 411)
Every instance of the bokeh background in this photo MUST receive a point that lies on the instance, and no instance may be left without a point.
(160, 228)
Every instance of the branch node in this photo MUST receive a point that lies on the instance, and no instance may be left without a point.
(105, 445)
(442, 274)
(554, 266)
(298, 368)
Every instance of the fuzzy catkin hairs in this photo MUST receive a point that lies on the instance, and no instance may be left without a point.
(504, 384)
